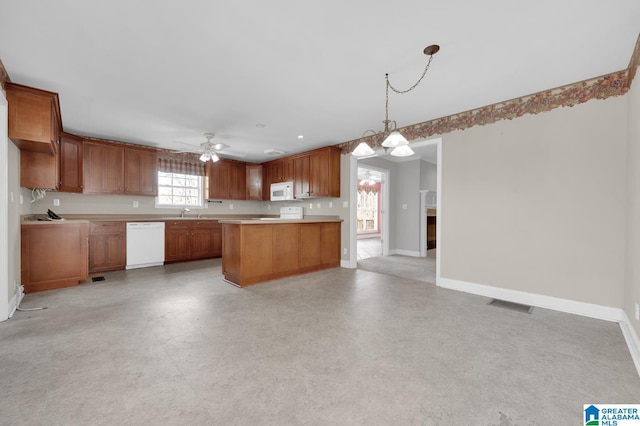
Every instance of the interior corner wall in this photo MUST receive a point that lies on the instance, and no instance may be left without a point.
(15, 207)
(537, 204)
(632, 267)
(428, 176)
(407, 208)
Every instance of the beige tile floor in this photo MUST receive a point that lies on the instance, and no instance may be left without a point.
(175, 345)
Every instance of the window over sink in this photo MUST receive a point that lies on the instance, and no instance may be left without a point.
(179, 190)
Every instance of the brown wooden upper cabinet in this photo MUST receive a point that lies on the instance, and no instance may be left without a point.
(254, 182)
(140, 172)
(280, 170)
(34, 118)
(317, 173)
(227, 180)
(116, 169)
(71, 161)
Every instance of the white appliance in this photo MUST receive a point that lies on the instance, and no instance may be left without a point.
(295, 213)
(145, 244)
(282, 191)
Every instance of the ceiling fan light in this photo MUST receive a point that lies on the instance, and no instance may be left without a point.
(402, 151)
(394, 139)
(214, 157)
(362, 150)
(205, 157)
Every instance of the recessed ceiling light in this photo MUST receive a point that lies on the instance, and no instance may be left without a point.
(259, 125)
(300, 136)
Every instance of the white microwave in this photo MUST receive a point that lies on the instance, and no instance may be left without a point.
(282, 191)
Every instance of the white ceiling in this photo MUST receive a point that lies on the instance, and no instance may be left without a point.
(159, 71)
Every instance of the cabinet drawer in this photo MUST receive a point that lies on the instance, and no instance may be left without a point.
(106, 228)
(176, 225)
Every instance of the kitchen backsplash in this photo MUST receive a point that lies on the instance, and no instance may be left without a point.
(70, 203)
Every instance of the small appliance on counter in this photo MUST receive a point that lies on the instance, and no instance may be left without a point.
(292, 213)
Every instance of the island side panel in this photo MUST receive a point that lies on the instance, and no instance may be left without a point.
(231, 252)
(330, 245)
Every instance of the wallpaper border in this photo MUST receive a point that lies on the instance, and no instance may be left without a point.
(603, 87)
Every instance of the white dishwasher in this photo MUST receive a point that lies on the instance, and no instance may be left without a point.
(145, 244)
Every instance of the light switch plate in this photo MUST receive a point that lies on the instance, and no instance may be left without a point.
(136, 204)
(56, 201)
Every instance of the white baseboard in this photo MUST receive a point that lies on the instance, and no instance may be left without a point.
(405, 252)
(348, 264)
(548, 302)
(15, 300)
(590, 310)
(632, 340)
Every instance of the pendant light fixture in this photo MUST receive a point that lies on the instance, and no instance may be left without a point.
(390, 136)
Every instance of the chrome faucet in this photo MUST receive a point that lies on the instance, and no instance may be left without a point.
(184, 209)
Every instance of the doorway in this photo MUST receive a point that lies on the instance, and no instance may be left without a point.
(371, 202)
(369, 212)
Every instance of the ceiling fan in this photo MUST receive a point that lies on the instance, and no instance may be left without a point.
(210, 150)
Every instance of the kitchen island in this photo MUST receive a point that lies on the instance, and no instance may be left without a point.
(255, 251)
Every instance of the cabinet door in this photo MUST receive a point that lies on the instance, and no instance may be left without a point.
(177, 241)
(324, 173)
(53, 255)
(33, 120)
(140, 172)
(276, 171)
(107, 246)
(38, 170)
(218, 174)
(201, 243)
(71, 158)
(301, 175)
(254, 182)
(103, 168)
(237, 181)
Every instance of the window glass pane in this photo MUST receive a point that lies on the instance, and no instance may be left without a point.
(175, 189)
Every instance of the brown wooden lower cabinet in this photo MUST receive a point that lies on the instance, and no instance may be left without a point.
(107, 246)
(53, 255)
(192, 240)
(254, 253)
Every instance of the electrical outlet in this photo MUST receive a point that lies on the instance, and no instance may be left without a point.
(318, 205)
(344, 250)
(330, 204)
(56, 201)
(135, 204)
(268, 206)
(230, 206)
(310, 206)
(404, 207)
(206, 205)
(21, 199)
(637, 313)
(345, 204)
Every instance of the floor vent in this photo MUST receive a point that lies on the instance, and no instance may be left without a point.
(518, 307)
(94, 279)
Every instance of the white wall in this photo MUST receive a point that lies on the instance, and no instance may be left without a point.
(632, 269)
(428, 176)
(9, 218)
(537, 204)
